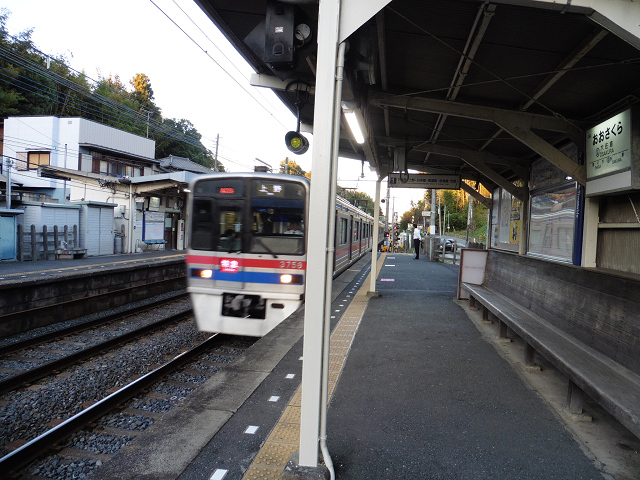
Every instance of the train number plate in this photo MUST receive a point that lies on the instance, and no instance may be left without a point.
(243, 306)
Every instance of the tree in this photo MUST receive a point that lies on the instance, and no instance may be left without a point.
(291, 167)
(36, 84)
(181, 138)
(358, 199)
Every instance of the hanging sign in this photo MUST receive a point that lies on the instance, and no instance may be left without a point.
(609, 146)
(613, 165)
(424, 180)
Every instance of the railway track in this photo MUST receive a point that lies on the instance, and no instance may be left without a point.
(47, 441)
(100, 329)
(165, 385)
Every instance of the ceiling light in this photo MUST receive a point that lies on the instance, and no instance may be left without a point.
(349, 109)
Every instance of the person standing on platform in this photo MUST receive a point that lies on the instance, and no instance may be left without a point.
(417, 238)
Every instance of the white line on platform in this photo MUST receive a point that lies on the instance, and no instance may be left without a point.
(251, 429)
(218, 474)
(387, 279)
(274, 398)
(290, 376)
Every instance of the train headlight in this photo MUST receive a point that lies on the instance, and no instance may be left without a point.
(207, 273)
(290, 279)
(202, 273)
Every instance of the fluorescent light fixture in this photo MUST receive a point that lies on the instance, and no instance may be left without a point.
(352, 120)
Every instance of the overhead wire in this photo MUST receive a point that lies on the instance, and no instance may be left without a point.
(218, 64)
(120, 115)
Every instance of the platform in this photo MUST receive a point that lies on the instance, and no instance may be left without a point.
(420, 395)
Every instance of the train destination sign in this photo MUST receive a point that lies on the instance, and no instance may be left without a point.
(424, 180)
(609, 146)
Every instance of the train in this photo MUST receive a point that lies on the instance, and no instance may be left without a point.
(247, 248)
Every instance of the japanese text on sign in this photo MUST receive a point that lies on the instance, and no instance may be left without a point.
(423, 180)
(229, 266)
(608, 147)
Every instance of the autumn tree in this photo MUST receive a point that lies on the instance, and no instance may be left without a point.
(292, 168)
(37, 84)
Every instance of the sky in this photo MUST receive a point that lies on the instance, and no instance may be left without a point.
(195, 74)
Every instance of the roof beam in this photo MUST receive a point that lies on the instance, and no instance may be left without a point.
(486, 201)
(548, 151)
(479, 112)
(492, 175)
(475, 156)
(518, 124)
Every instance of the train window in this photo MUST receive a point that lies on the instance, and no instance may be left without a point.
(230, 226)
(202, 228)
(343, 231)
(278, 218)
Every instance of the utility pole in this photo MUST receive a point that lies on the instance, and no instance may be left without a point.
(432, 223)
(387, 223)
(8, 164)
(215, 165)
(64, 200)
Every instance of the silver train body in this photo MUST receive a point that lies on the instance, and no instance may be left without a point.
(247, 254)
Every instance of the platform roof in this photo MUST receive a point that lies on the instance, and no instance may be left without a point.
(469, 87)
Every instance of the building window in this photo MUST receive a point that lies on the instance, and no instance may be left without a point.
(113, 166)
(38, 158)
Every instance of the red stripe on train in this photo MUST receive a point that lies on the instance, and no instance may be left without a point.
(249, 262)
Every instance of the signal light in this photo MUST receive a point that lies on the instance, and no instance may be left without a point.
(296, 143)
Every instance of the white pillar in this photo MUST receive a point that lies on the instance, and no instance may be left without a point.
(319, 208)
(374, 247)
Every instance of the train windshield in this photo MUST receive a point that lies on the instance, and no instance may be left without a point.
(278, 218)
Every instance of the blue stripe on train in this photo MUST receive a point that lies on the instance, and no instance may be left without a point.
(248, 277)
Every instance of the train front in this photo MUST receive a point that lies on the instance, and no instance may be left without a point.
(246, 261)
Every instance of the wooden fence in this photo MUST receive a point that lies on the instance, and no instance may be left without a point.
(42, 245)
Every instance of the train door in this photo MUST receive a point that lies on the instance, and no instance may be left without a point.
(350, 238)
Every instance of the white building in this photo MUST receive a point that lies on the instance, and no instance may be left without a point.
(106, 173)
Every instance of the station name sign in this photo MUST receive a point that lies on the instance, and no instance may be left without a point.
(612, 164)
(609, 146)
(424, 180)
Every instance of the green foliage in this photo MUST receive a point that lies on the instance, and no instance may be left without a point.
(290, 166)
(358, 199)
(32, 84)
(457, 207)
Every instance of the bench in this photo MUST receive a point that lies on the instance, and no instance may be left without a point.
(70, 253)
(585, 322)
(154, 242)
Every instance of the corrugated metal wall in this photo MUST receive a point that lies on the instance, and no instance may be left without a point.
(92, 133)
(96, 230)
(619, 233)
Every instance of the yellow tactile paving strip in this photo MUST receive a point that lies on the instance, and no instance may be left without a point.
(285, 436)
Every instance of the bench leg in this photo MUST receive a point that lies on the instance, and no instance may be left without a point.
(530, 358)
(503, 337)
(472, 303)
(575, 403)
(485, 315)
